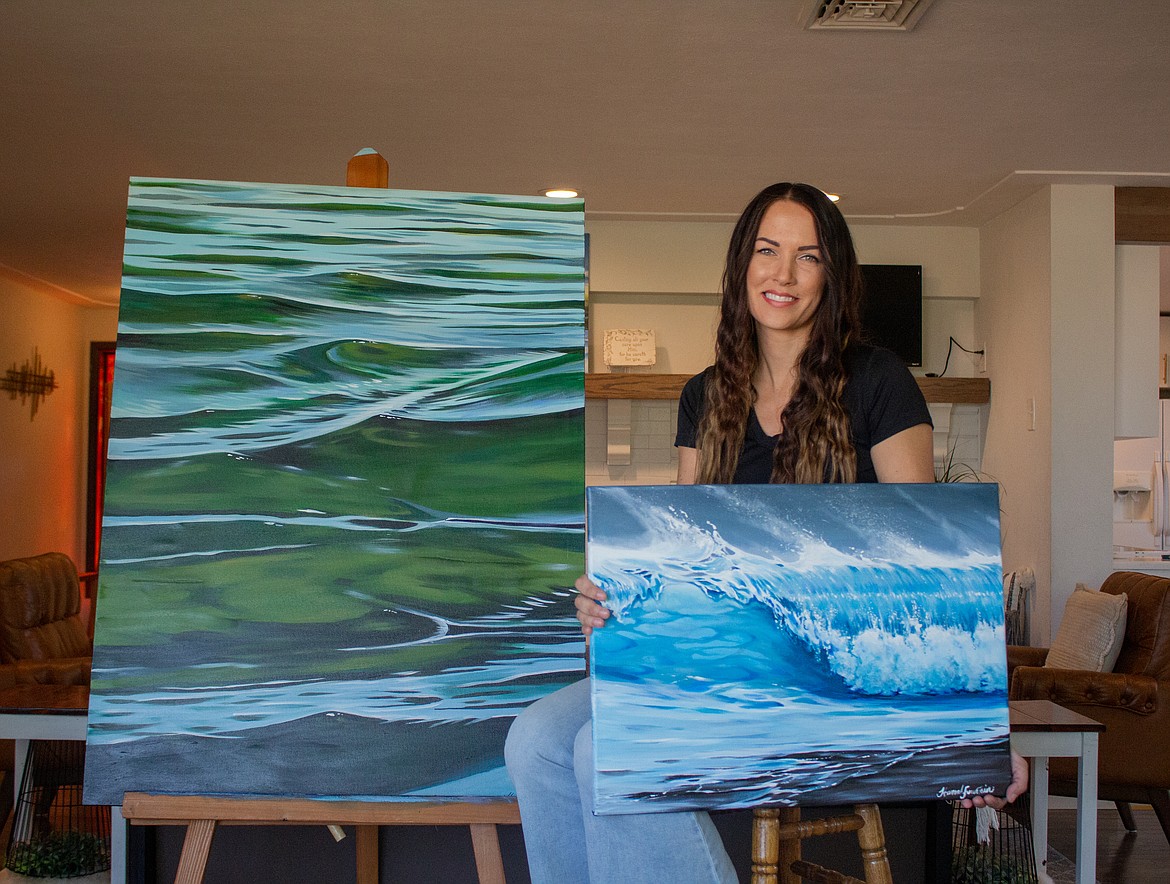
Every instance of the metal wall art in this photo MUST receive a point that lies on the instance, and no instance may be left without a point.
(30, 383)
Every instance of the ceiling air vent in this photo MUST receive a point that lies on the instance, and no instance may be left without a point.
(885, 15)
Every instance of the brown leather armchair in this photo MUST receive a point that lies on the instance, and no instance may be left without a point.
(43, 639)
(1132, 701)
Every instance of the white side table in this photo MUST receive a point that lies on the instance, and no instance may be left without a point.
(54, 712)
(1042, 730)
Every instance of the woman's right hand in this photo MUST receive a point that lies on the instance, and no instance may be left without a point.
(591, 611)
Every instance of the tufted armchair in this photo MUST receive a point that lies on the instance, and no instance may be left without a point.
(43, 639)
(1132, 701)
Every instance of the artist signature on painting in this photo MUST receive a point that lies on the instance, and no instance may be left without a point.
(964, 792)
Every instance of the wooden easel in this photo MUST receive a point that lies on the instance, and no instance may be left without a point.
(201, 815)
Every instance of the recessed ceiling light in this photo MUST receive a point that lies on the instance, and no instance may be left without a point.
(561, 193)
(832, 196)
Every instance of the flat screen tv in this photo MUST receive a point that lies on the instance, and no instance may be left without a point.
(891, 308)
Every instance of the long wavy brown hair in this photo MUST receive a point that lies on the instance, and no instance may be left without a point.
(814, 443)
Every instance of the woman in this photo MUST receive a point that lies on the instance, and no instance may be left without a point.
(794, 397)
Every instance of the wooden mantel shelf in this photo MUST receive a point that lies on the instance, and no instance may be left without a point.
(959, 391)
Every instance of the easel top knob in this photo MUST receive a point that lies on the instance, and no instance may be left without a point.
(367, 168)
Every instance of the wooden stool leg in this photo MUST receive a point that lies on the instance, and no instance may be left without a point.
(485, 841)
(765, 844)
(772, 858)
(367, 855)
(872, 838)
(196, 847)
(789, 847)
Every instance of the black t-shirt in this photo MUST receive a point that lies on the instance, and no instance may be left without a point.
(881, 397)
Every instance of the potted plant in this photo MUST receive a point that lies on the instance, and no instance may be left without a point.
(73, 857)
(976, 865)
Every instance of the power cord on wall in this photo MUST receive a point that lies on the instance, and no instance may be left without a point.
(951, 346)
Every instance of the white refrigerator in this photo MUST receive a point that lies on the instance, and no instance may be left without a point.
(1141, 493)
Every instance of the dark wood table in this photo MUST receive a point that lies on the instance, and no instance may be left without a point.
(1042, 730)
(44, 699)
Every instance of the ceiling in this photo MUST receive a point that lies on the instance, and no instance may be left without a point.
(651, 108)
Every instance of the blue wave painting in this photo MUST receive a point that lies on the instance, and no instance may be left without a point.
(797, 644)
(345, 487)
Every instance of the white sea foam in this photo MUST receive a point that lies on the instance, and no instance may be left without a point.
(892, 618)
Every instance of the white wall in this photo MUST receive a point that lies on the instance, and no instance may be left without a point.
(1013, 317)
(43, 457)
(949, 255)
(1083, 280)
(1136, 342)
(1164, 281)
(43, 461)
(683, 326)
(99, 324)
(1047, 308)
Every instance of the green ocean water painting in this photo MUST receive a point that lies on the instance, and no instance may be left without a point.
(344, 504)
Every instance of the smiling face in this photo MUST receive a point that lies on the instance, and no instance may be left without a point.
(786, 275)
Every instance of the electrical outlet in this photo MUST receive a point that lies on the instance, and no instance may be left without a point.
(981, 360)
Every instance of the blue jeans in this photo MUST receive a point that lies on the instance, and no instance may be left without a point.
(549, 754)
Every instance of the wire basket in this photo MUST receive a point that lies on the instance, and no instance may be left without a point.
(55, 835)
(1005, 857)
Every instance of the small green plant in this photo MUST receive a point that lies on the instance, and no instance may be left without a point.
(950, 471)
(60, 855)
(974, 865)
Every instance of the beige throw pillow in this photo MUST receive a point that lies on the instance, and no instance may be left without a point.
(1090, 633)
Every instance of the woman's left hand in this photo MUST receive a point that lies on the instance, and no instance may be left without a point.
(1017, 787)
